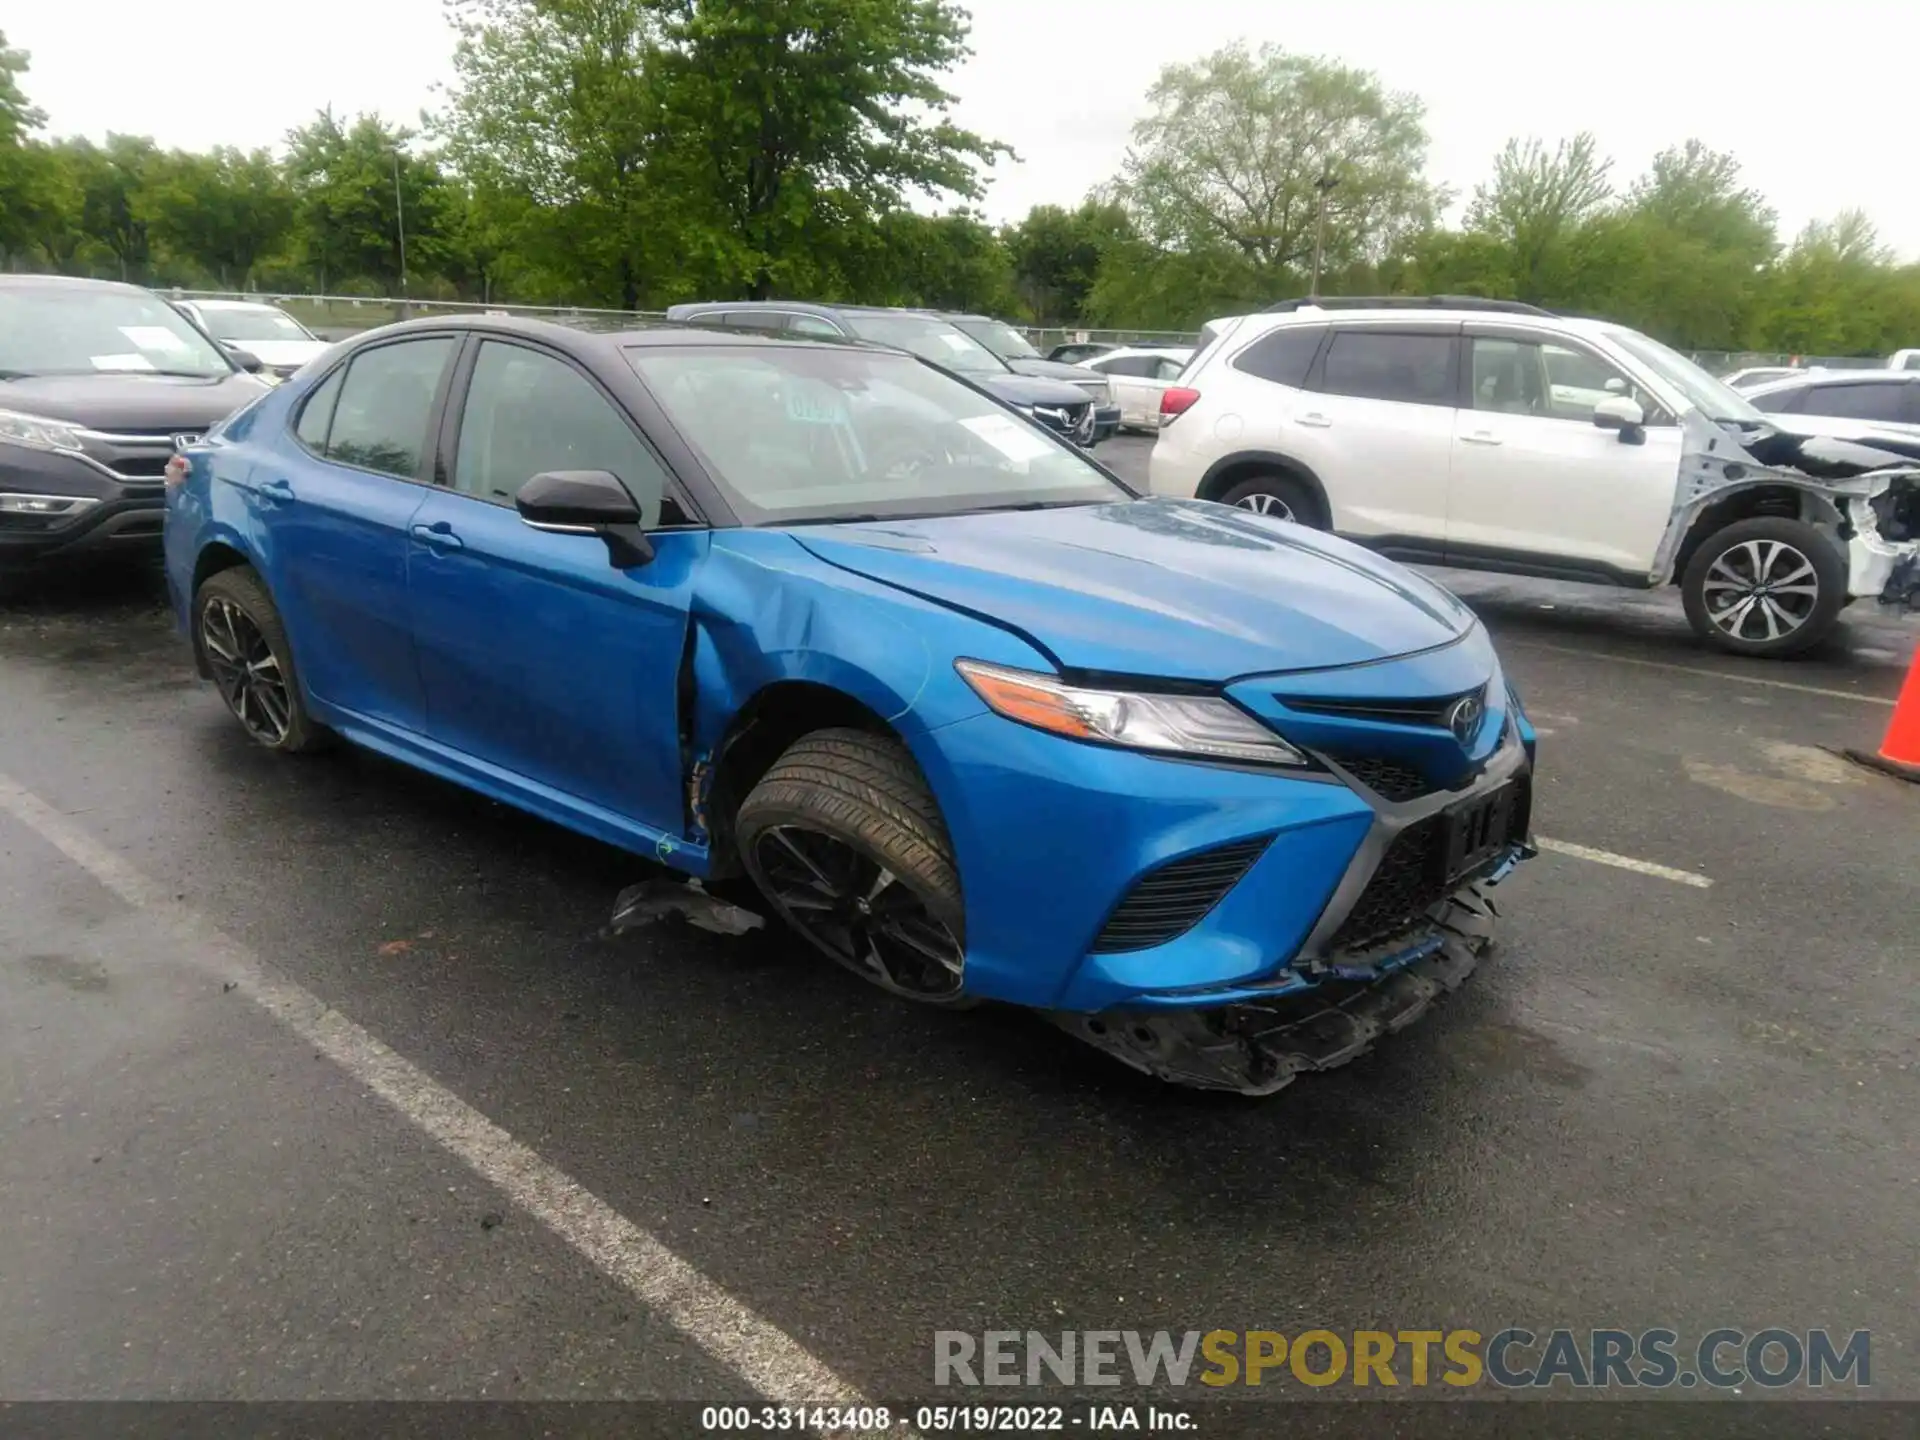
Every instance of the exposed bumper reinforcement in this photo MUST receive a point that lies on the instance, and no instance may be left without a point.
(1257, 1047)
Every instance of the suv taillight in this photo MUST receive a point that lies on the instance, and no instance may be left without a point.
(1175, 401)
(176, 471)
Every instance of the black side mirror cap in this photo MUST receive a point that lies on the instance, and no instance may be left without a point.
(245, 359)
(587, 502)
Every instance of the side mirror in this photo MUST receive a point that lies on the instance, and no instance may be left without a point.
(245, 359)
(1622, 413)
(587, 502)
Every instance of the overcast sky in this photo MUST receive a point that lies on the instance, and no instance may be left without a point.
(1063, 80)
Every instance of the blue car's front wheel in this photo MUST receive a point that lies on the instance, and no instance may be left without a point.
(844, 838)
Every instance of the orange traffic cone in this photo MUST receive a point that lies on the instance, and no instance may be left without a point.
(1899, 753)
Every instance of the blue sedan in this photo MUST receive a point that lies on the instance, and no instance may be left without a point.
(1220, 795)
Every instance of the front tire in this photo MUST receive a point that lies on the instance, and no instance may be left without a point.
(844, 839)
(1280, 496)
(1767, 587)
(237, 630)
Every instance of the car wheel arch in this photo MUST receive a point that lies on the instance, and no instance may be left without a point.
(1244, 465)
(1785, 502)
(215, 557)
(761, 730)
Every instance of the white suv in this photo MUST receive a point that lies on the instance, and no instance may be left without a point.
(1498, 436)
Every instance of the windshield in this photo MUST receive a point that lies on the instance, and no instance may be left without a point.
(1715, 399)
(261, 324)
(937, 340)
(794, 434)
(1001, 338)
(62, 330)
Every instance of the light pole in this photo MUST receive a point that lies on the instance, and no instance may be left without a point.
(400, 223)
(1325, 183)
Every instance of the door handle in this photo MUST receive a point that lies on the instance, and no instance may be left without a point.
(1481, 437)
(438, 536)
(277, 491)
(1315, 419)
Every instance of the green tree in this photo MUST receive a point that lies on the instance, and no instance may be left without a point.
(773, 103)
(1236, 146)
(1056, 255)
(112, 183)
(362, 199)
(223, 212)
(30, 191)
(1536, 204)
(555, 122)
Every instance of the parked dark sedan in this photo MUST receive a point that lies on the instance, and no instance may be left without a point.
(97, 383)
(1066, 406)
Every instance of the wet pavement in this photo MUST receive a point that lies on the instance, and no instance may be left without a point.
(1661, 1102)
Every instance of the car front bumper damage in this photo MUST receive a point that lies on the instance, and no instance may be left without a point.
(1865, 492)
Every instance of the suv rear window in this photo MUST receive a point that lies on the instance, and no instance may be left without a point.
(1283, 356)
(1883, 400)
(1413, 367)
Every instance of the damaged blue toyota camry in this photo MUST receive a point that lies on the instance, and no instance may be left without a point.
(1220, 795)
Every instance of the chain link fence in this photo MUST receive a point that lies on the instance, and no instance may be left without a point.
(334, 317)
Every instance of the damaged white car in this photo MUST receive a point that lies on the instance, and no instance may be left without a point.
(1498, 436)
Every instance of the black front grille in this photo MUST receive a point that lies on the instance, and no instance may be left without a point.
(143, 467)
(1431, 712)
(1069, 420)
(1388, 779)
(1171, 900)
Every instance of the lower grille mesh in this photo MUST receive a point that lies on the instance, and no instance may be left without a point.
(1411, 879)
(1387, 778)
(1171, 900)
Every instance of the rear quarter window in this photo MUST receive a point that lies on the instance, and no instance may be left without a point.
(1283, 356)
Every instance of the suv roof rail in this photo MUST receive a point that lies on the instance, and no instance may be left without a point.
(1406, 302)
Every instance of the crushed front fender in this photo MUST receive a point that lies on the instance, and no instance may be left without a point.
(1866, 491)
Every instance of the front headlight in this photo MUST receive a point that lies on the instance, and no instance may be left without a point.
(37, 433)
(1197, 726)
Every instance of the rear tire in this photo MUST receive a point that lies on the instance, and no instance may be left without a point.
(844, 839)
(237, 632)
(1279, 496)
(1767, 587)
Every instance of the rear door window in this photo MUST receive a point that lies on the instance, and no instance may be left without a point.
(380, 421)
(1411, 367)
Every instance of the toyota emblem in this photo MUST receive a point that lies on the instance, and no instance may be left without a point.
(1464, 718)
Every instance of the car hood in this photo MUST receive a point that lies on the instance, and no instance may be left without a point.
(131, 401)
(281, 354)
(1031, 390)
(1179, 589)
(1057, 370)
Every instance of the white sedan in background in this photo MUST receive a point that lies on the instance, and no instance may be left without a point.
(1140, 375)
(268, 333)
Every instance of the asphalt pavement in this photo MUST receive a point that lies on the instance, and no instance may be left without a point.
(321, 1078)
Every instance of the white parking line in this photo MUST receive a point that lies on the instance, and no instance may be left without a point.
(762, 1354)
(1623, 862)
(1695, 671)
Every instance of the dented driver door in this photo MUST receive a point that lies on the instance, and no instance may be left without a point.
(541, 658)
